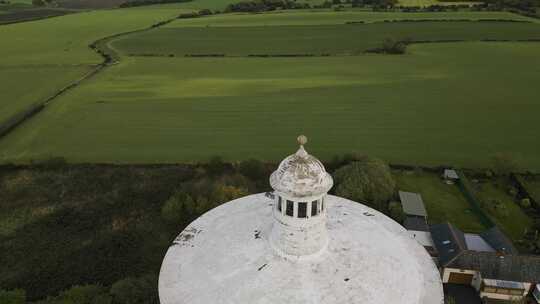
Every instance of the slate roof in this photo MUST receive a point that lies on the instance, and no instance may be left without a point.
(449, 241)
(519, 268)
(415, 223)
(499, 241)
(506, 264)
(412, 203)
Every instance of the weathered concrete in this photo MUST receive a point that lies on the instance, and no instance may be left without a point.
(225, 257)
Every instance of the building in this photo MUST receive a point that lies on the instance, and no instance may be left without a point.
(416, 220)
(299, 245)
(450, 174)
(488, 261)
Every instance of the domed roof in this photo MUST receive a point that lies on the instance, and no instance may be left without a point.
(301, 174)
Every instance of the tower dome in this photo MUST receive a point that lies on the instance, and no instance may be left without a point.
(301, 174)
(297, 245)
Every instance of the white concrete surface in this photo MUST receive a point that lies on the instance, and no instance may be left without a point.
(225, 257)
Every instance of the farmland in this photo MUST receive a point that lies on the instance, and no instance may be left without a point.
(156, 106)
(185, 109)
(316, 40)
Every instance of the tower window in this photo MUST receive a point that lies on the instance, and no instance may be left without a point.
(302, 209)
(279, 204)
(322, 205)
(314, 208)
(290, 208)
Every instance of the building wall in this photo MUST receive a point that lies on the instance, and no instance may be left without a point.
(476, 281)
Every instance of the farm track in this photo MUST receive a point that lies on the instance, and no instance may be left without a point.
(101, 47)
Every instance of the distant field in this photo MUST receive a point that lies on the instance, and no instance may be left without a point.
(322, 39)
(39, 57)
(325, 17)
(409, 109)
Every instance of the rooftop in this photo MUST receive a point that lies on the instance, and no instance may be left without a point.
(225, 257)
(412, 203)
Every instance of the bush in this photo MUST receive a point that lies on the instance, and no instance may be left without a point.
(395, 211)
(525, 203)
(141, 290)
(17, 296)
(253, 169)
(368, 181)
(87, 294)
(391, 46)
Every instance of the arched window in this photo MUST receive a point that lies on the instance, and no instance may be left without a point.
(322, 204)
(279, 204)
(302, 209)
(314, 208)
(290, 208)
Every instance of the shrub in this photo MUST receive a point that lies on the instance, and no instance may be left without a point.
(392, 46)
(87, 294)
(368, 180)
(525, 203)
(253, 169)
(17, 296)
(396, 211)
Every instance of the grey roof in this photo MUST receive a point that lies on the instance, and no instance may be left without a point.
(519, 268)
(499, 241)
(415, 223)
(449, 241)
(453, 252)
(450, 173)
(412, 203)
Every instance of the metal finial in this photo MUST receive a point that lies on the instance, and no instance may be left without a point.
(302, 140)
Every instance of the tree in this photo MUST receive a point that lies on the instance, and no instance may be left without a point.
(392, 46)
(136, 290)
(252, 168)
(17, 296)
(368, 181)
(503, 164)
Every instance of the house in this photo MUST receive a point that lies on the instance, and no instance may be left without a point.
(487, 261)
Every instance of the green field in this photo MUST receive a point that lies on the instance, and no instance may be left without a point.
(326, 17)
(444, 203)
(509, 216)
(40, 57)
(351, 39)
(411, 109)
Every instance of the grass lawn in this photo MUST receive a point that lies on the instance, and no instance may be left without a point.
(444, 203)
(151, 110)
(513, 221)
(320, 39)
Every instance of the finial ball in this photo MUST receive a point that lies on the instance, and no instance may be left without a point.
(302, 139)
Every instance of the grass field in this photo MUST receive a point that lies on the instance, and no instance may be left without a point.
(513, 221)
(326, 17)
(444, 203)
(321, 39)
(182, 109)
(40, 57)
